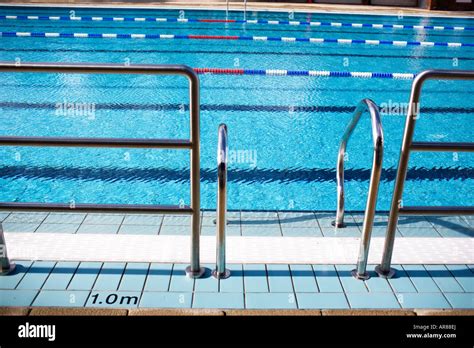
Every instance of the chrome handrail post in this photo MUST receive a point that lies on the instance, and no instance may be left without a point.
(360, 272)
(384, 270)
(245, 10)
(222, 150)
(339, 222)
(194, 270)
(6, 266)
(377, 135)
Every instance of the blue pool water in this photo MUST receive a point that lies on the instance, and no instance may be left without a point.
(283, 130)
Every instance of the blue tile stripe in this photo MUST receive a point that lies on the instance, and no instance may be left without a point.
(110, 276)
(303, 277)
(134, 277)
(85, 276)
(238, 21)
(279, 278)
(36, 275)
(255, 278)
(14, 298)
(373, 300)
(54, 298)
(443, 278)
(159, 277)
(464, 276)
(421, 278)
(15, 278)
(218, 300)
(343, 41)
(117, 285)
(235, 283)
(327, 278)
(179, 281)
(460, 300)
(322, 301)
(349, 283)
(60, 276)
(401, 282)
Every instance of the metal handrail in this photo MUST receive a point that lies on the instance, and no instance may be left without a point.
(6, 266)
(227, 9)
(192, 144)
(222, 150)
(384, 270)
(377, 137)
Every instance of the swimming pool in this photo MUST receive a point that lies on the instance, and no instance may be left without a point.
(284, 131)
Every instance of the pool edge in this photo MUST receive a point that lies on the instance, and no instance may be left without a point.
(255, 6)
(78, 311)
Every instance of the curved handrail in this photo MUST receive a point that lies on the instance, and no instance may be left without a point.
(384, 269)
(377, 137)
(192, 143)
(222, 149)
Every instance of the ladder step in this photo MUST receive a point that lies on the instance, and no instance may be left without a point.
(441, 146)
(427, 210)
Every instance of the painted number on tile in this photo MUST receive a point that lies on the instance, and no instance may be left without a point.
(112, 299)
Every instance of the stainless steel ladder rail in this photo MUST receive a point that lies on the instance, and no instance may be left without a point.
(222, 150)
(227, 9)
(192, 144)
(384, 270)
(378, 142)
(6, 266)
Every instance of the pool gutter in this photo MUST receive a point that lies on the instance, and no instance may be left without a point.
(251, 6)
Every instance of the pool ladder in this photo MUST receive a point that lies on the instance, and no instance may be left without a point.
(378, 143)
(220, 271)
(384, 270)
(192, 144)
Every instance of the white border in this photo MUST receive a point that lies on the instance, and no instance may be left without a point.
(247, 250)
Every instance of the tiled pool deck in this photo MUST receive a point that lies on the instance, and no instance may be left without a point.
(307, 224)
(251, 286)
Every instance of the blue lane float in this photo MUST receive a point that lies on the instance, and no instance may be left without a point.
(231, 38)
(312, 73)
(242, 21)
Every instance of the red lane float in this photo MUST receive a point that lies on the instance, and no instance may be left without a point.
(219, 71)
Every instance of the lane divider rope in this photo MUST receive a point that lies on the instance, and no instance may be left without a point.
(314, 73)
(239, 21)
(226, 37)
